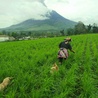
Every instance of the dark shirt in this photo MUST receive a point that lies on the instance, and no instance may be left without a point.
(65, 45)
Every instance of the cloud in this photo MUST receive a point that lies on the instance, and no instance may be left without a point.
(16, 11)
(42, 1)
(77, 10)
(13, 12)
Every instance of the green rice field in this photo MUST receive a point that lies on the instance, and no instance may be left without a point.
(29, 62)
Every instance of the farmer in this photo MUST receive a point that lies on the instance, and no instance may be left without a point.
(63, 52)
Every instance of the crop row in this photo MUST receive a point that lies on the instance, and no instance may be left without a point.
(29, 62)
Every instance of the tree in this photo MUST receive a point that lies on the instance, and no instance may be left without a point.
(29, 33)
(15, 35)
(80, 28)
(95, 28)
(70, 31)
(89, 28)
(62, 32)
(4, 32)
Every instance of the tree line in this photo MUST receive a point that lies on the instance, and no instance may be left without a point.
(79, 28)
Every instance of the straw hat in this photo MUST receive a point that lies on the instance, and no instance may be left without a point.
(68, 39)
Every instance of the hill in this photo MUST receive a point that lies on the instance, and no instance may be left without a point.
(54, 22)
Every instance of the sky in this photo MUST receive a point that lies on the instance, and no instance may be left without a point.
(15, 11)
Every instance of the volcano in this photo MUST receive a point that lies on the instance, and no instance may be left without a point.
(53, 22)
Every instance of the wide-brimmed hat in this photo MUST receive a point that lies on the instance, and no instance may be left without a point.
(68, 39)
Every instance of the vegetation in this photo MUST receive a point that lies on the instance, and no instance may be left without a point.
(80, 28)
(29, 62)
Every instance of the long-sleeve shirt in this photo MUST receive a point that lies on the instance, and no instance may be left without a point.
(65, 45)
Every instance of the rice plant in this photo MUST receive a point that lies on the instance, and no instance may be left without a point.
(29, 62)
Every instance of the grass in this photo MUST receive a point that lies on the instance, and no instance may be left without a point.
(29, 62)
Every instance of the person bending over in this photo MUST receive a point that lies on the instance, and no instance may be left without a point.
(63, 49)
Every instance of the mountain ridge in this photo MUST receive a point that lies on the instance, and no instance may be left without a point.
(54, 22)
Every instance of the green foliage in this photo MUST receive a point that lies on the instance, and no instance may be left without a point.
(80, 28)
(29, 62)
